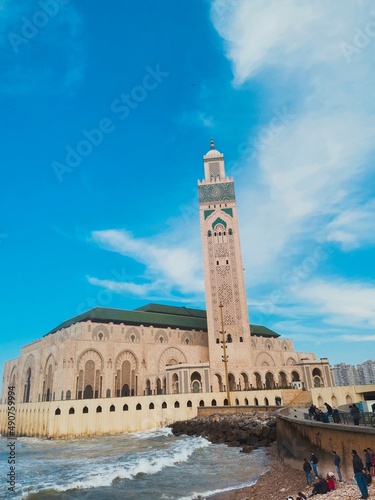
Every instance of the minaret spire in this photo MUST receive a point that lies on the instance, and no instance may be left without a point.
(212, 144)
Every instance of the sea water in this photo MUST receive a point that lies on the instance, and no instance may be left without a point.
(142, 465)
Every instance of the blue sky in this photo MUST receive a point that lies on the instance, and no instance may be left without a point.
(106, 113)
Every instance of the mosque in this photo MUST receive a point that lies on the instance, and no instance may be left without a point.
(166, 352)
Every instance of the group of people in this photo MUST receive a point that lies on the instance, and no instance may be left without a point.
(362, 473)
(316, 413)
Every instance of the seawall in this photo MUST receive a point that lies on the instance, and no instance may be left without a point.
(297, 437)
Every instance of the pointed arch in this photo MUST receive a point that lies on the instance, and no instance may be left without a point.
(264, 359)
(28, 375)
(167, 355)
(126, 368)
(93, 355)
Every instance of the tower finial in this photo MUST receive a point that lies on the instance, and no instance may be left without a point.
(212, 144)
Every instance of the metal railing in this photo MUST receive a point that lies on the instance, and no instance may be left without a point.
(345, 418)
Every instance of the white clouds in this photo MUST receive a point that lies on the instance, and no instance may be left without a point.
(313, 166)
(341, 302)
(168, 267)
(353, 227)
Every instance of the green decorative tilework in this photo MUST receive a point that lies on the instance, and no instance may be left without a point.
(207, 213)
(218, 221)
(216, 192)
(228, 211)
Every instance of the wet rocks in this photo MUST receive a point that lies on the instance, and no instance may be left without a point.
(249, 430)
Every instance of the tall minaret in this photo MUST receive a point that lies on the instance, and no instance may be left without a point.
(223, 272)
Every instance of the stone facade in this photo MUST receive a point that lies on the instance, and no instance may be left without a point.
(164, 350)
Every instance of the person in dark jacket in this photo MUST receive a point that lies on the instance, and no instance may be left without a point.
(314, 463)
(329, 408)
(337, 462)
(320, 488)
(358, 474)
(336, 416)
(355, 413)
(307, 469)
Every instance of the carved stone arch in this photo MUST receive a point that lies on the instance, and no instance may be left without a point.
(264, 359)
(284, 346)
(187, 338)
(28, 377)
(268, 345)
(168, 354)
(90, 355)
(50, 360)
(13, 376)
(132, 335)
(126, 356)
(291, 361)
(161, 337)
(100, 329)
(29, 363)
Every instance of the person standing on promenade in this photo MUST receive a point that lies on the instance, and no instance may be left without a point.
(337, 462)
(355, 413)
(329, 408)
(314, 462)
(358, 474)
(307, 469)
(311, 411)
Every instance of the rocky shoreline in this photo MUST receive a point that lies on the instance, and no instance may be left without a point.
(254, 430)
(247, 430)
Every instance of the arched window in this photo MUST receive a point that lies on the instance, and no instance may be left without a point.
(68, 394)
(213, 402)
(62, 395)
(225, 402)
(57, 411)
(164, 405)
(256, 402)
(85, 410)
(176, 404)
(237, 402)
(98, 409)
(201, 402)
(108, 393)
(246, 402)
(266, 401)
(71, 411)
(241, 339)
(217, 341)
(125, 408)
(112, 408)
(151, 406)
(138, 407)
(189, 404)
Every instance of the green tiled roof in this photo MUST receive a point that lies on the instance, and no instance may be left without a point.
(157, 315)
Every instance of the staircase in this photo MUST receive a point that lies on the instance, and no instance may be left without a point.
(302, 400)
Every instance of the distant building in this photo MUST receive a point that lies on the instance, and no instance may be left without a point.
(362, 374)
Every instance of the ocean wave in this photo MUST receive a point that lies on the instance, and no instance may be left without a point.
(126, 468)
(197, 496)
(157, 432)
